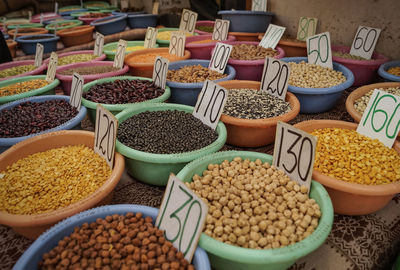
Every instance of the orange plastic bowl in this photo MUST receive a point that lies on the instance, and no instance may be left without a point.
(293, 47)
(243, 36)
(28, 31)
(31, 226)
(76, 35)
(12, 46)
(255, 132)
(350, 198)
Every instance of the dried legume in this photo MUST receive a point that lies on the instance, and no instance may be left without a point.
(75, 58)
(193, 74)
(205, 28)
(361, 104)
(347, 55)
(394, 71)
(251, 52)
(254, 205)
(131, 49)
(165, 132)
(96, 15)
(203, 41)
(349, 156)
(89, 70)
(149, 58)
(166, 35)
(22, 87)
(52, 179)
(12, 71)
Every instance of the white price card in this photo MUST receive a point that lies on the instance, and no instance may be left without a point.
(381, 118)
(210, 103)
(364, 41)
(75, 96)
(81, 3)
(275, 77)
(188, 21)
(220, 57)
(41, 18)
(29, 15)
(156, 5)
(182, 216)
(51, 68)
(177, 44)
(16, 32)
(259, 5)
(221, 29)
(98, 44)
(124, 4)
(307, 28)
(150, 37)
(55, 7)
(39, 55)
(272, 36)
(294, 153)
(120, 54)
(160, 71)
(105, 134)
(319, 50)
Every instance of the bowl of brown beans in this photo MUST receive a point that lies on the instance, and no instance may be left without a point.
(16, 69)
(134, 243)
(257, 217)
(361, 175)
(390, 71)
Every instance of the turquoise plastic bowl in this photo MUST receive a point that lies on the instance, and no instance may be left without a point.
(225, 256)
(155, 169)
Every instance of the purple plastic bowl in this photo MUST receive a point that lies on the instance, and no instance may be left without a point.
(36, 71)
(365, 71)
(99, 58)
(204, 23)
(202, 50)
(66, 80)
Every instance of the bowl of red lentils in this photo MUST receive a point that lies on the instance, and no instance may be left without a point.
(390, 71)
(360, 174)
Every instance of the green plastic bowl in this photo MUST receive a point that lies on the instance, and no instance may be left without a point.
(163, 42)
(96, 5)
(74, 23)
(46, 90)
(155, 169)
(225, 256)
(107, 49)
(117, 108)
(25, 25)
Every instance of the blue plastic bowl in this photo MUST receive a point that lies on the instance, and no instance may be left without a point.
(116, 12)
(387, 76)
(142, 20)
(317, 100)
(74, 123)
(49, 239)
(111, 24)
(28, 46)
(187, 93)
(246, 20)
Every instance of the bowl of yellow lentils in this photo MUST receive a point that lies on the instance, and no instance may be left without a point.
(390, 71)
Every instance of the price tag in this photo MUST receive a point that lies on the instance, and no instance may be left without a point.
(150, 38)
(120, 54)
(16, 32)
(51, 68)
(3, 21)
(259, 5)
(307, 27)
(29, 15)
(210, 103)
(381, 118)
(177, 44)
(319, 50)
(124, 4)
(221, 29)
(75, 97)
(275, 77)
(55, 29)
(55, 7)
(272, 36)
(105, 134)
(98, 44)
(364, 42)
(160, 71)
(220, 57)
(182, 215)
(188, 21)
(156, 5)
(39, 54)
(81, 3)
(41, 18)
(294, 153)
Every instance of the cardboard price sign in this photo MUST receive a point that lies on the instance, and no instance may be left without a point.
(319, 50)
(259, 5)
(182, 215)
(160, 71)
(294, 153)
(177, 44)
(150, 38)
(51, 68)
(55, 7)
(188, 21)
(105, 134)
(41, 18)
(98, 44)
(156, 5)
(75, 97)
(39, 55)
(272, 36)
(307, 27)
(220, 57)
(364, 41)
(120, 54)
(221, 29)
(381, 118)
(16, 32)
(210, 103)
(275, 77)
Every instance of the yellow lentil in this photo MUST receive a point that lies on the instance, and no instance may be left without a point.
(394, 71)
(52, 179)
(166, 35)
(131, 49)
(361, 104)
(22, 87)
(349, 156)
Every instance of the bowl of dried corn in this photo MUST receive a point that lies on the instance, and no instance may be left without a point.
(390, 71)
(164, 35)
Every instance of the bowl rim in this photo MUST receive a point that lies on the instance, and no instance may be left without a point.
(62, 77)
(244, 12)
(39, 30)
(142, 15)
(74, 23)
(26, 25)
(299, 43)
(186, 55)
(108, 20)
(76, 30)
(376, 60)
(384, 74)
(190, 45)
(51, 38)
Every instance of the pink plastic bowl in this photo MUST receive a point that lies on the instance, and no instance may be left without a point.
(202, 50)
(203, 23)
(365, 71)
(66, 80)
(46, 16)
(36, 71)
(100, 58)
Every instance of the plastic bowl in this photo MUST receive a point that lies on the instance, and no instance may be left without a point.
(28, 44)
(47, 241)
(46, 16)
(31, 226)
(12, 46)
(146, 69)
(27, 31)
(165, 42)
(364, 71)
(317, 100)
(247, 20)
(292, 47)
(203, 23)
(382, 71)
(76, 35)
(242, 36)
(68, 10)
(142, 20)
(74, 123)
(187, 93)
(108, 48)
(117, 108)
(155, 169)
(225, 256)
(111, 24)
(71, 23)
(36, 71)
(88, 20)
(66, 80)
(25, 25)
(99, 58)
(116, 12)
(350, 198)
(255, 132)
(96, 5)
(202, 50)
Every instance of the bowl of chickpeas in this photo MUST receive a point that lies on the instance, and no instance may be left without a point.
(390, 71)
(257, 217)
